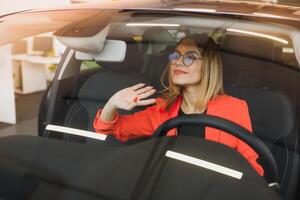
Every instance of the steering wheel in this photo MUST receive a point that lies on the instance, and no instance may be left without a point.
(271, 174)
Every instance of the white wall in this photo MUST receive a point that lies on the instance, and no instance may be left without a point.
(7, 97)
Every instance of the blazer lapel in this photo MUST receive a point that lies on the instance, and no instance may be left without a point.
(173, 112)
(212, 109)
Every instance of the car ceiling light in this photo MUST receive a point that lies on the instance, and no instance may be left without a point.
(202, 10)
(205, 164)
(153, 24)
(267, 15)
(258, 35)
(73, 131)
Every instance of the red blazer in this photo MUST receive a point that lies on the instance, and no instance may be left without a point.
(145, 122)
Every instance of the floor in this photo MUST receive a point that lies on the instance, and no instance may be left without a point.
(3, 125)
(27, 107)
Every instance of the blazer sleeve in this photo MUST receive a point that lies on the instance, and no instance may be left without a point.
(125, 127)
(244, 148)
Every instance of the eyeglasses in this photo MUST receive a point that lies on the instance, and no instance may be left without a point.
(188, 58)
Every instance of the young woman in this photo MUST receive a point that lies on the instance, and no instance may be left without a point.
(195, 85)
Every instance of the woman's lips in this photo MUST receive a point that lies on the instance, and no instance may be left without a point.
(178, 72)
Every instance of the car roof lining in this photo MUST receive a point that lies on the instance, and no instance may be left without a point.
(119, 28)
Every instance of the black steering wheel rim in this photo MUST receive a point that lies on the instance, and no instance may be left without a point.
(232, 128)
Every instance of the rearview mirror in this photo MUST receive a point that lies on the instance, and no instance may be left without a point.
(113, 51)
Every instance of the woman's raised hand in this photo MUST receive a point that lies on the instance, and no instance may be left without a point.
(131, 97)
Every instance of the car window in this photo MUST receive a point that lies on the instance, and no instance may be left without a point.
(87, 65)
(260, 68)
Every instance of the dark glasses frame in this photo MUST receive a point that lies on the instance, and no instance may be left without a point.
(188, 58)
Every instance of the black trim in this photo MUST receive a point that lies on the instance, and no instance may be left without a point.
(53, 92)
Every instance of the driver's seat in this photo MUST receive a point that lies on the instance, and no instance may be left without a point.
(274, 122)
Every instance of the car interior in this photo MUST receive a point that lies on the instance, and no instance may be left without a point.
(268, 83)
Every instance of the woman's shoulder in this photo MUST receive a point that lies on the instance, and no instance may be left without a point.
(230, 100)
(163, 104)
(160, 103)
(229, 106)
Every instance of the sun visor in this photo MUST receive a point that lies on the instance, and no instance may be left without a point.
(113, 51)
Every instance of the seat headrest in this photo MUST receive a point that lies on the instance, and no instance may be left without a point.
(271, 112)
(233, 43)
(156, 40)
(102, 85)
(132, 61)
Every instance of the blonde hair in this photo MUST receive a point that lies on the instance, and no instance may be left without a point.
(211, 82)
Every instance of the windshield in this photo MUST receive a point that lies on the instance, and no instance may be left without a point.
(249, 53)
(103, 116)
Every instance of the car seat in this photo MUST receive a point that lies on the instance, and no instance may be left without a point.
(274, 122)
(99, 87)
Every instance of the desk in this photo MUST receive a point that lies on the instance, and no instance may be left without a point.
(30, 72)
